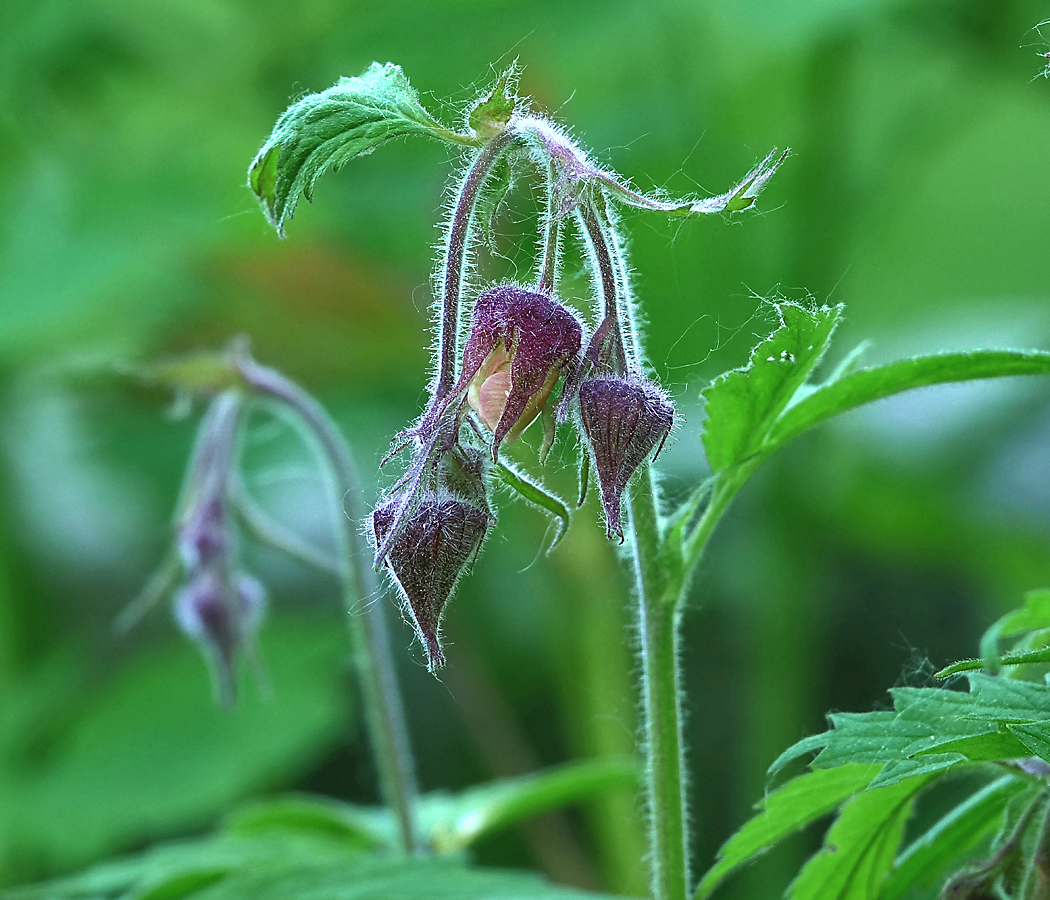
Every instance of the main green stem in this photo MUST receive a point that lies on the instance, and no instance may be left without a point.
(384, 712)
(658, 613)
(662, 568)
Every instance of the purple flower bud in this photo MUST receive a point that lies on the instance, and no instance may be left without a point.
(222, 614)
(520, 342)
(624, 419)
(437, 541)
(205, 535)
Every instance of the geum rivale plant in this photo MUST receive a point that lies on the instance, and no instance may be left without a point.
(506, 355)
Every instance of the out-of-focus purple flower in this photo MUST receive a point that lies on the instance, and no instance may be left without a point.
(221, 612)
(520, 342)
(439, 533)
(625, 419)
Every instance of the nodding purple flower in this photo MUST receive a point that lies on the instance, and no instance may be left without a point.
(625, 419)
(222, 612)
(520, 343)
(438, 536)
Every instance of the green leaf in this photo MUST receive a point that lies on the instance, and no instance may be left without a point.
(795, 805)
(860, 847)
(537, 495)
(449, 822)
(743, 405)
(951, 837)
(287, 867)
(328, 129)
(456, 822)
(97, 789)
(932, 729)
(1035, 736)
(868, 385)
(1033, 616)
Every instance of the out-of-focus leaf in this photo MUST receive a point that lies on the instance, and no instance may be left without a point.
(285, 866)
(1033, 616)
(743, 405)
(150, 752)
(798, 803)
(868, 385)
(328, 129)
(449, 822)
(456, 822)
(860, 847)
(951, 837)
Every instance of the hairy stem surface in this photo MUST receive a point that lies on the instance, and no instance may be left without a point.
(657, 586)
(457, 241)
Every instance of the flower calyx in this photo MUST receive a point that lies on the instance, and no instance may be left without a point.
(433, 531)
(625, 420)
(520, 343)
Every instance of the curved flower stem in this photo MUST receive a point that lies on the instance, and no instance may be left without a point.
(551, 235)
(382, 700)
(457, 241)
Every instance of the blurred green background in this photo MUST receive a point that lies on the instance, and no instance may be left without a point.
(918, 194)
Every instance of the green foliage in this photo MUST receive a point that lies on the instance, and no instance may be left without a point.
(148, 752)
(800, 802)
(753, 411)
(873, 766)
(328, 129)
(743, 405)
(304, 847)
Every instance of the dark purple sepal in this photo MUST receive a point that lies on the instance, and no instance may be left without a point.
(438, 540)
(625, 420)
(527, 339)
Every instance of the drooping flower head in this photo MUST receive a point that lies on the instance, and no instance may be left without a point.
(439, 533)
(625, 418)
(520, 343)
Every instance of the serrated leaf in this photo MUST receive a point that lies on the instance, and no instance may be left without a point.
(534, 493)
(931, 730)
(951, 838)
(327, 129)
(1035, 736)
(860, 847)
(743, 405)
(867, 385)
(798, 803)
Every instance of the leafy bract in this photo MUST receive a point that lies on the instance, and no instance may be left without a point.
(325, 130)
(860, 847)
(538, 495)
(743, 405)
(797, 804)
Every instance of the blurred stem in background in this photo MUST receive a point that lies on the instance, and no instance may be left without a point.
(375, 666)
